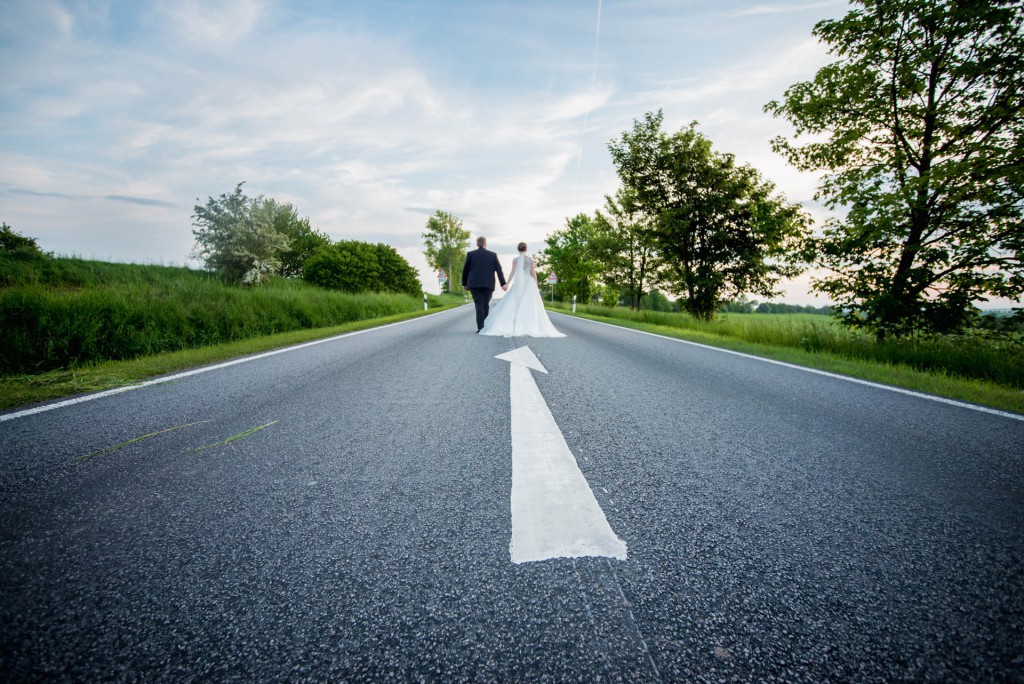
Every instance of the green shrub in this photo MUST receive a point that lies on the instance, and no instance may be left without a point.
(353, 266)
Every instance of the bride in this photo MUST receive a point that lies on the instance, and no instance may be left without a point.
(520, 313)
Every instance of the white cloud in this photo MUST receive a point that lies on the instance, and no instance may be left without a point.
(785, 8)
(767, 75)
(578, 104)
(213, 24)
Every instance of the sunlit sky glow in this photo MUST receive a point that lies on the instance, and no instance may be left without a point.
(115, 117)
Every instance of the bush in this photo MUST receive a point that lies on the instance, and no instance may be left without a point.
(353, 266)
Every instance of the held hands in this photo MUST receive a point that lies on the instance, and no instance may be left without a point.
(505, 288)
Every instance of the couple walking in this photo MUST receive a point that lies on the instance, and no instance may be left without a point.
(521, 311)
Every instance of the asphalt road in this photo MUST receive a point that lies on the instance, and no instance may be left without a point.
(780, 525)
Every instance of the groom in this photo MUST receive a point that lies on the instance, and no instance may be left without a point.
(478, 278)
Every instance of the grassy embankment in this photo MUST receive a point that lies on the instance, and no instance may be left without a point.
(968, 368)
(72, 325)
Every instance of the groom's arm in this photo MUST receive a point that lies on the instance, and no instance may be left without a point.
(501, 276)
(465, 270)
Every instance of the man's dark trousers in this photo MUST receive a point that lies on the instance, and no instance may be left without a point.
(482, 301)
(478, 277)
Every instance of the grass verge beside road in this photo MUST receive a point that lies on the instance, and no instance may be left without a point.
(937, 381)
(19, 390)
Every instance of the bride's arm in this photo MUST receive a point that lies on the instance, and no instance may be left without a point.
(513, 273)
(533, 272)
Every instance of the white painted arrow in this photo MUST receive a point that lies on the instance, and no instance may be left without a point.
(554, 512)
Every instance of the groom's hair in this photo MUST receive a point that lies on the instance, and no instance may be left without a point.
(481, 241)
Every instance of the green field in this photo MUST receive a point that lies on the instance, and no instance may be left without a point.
(974, 368)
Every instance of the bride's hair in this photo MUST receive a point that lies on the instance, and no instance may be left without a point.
(522, 247)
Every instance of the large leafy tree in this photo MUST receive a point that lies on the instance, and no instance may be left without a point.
(626, 245)
(236, 237)
(446, 243)
(721, 229)
(572, 254)
(918, 127)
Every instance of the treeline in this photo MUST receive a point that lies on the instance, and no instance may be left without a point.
(916, 129)
(248, 240)
(777, 307)
(687, 220)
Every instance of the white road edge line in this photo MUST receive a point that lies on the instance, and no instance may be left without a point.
(205, 369)
(890, 388)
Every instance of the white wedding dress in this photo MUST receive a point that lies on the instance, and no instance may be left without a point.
(520, 313)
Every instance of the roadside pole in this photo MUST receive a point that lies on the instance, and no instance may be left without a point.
(442, 278)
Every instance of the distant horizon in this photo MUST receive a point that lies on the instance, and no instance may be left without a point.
(197, 266)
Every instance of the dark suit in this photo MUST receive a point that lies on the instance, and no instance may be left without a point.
(478, 278)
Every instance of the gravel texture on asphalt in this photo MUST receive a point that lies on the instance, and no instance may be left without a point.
(781, 526)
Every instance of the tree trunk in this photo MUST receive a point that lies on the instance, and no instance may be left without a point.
(899, 305)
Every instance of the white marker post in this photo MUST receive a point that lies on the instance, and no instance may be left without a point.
(574, 303)
(554, 512)
(424, 301)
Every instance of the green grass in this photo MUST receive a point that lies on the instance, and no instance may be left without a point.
(976, 370)
(18, 390)
(234, 438)
(121, 445)
(62, 314)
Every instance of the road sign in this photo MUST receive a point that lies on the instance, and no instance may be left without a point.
(552, 278)
(442, 276)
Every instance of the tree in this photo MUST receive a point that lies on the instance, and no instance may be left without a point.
(721, 230)
(236, 237)
(12, 241)
(741, 305)
(918, 125)
(303, 240)
(446, 244)
(625, 244)
(571, 254)
(656, 301)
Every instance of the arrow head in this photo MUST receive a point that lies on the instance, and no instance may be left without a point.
(523, 356)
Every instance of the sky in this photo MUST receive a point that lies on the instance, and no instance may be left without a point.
(118, 117)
